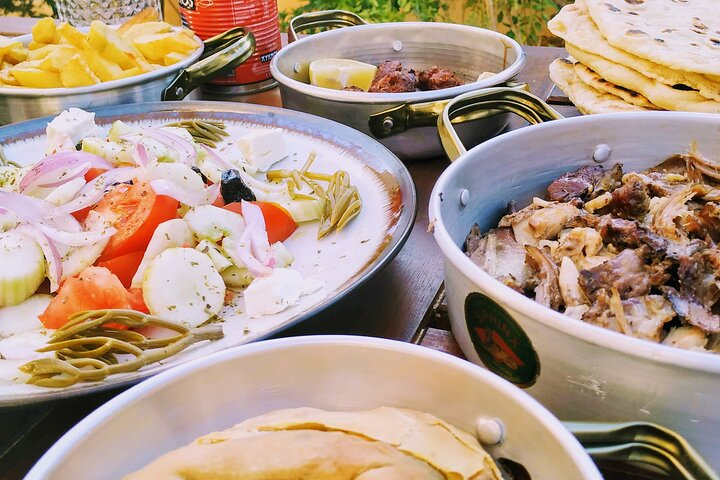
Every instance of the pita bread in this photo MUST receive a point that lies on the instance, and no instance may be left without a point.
(587, 99)
(664, 96)
(306, 454)
(574, 25)
(594, 80)
(446, 448)
(680, 34)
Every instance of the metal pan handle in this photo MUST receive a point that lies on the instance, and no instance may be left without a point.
(222, 53)
(486, 102)
(643, 443)
(322, 19)
(422, 114)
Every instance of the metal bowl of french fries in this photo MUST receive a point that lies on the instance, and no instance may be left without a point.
(144, 60)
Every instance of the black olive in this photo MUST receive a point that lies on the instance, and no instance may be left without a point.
(233, 189)
(78, 146)
(202, 175)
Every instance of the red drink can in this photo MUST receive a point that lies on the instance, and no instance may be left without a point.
(208, 18)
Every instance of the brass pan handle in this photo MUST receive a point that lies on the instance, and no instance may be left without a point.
(222, 53)
(421, 114)
(322, 19)
(643, 443)
(486, 102)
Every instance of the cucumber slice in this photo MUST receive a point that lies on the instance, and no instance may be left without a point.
(182, 285)
(23, 317)
(213, 223)
(111, 151)
(237, 277)
(23, 268)
(170, 234)
(218, 258)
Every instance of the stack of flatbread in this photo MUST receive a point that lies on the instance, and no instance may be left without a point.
(633, 55)
(311, 444)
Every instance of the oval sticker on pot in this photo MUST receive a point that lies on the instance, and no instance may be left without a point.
(501, 343)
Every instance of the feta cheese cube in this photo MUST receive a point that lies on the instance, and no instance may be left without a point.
(67, 129)
(263, 148)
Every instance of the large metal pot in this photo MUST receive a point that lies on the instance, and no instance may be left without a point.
(215, 56)
(336, 373)
(466, 50)
(577, 370)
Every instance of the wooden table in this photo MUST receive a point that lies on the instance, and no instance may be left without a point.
(400, 303)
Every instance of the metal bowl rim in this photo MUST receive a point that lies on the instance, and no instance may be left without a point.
(647, 350)
(368, 98)
(98, 88)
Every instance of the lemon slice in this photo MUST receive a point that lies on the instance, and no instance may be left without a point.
(340, 73)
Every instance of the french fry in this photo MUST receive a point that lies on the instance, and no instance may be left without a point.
(148, 28)
(44, 30)
(7, 79)
(33, 45)
(100, 66)
(148, 14)
(77, 73)
(44, 51)
(57, 58)
(155, 46)
(36, 78)
(72, 36)
(16, 55)
(173, 57)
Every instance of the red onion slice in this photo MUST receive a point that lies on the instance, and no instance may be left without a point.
(216, 158)
(52, 256)
(192, 198)
(143, 158)
(25, 207)
(75, 239)
(59, 161)
(177, 143)
(93, 191)
(79, 172)
(243, 251)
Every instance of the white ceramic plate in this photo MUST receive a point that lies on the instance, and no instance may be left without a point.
(341, 260)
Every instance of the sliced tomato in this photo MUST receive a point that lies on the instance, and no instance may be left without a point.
(135, 211)
(278, 222)
(124, 266)
(137, 302)
(93, 173)
(81, 214)
(219, 202)
(93, 289)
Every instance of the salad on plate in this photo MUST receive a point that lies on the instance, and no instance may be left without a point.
(122, 247)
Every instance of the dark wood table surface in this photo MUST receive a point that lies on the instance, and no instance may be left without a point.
(402, 302)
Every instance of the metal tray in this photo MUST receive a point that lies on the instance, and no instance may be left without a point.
(347, 259)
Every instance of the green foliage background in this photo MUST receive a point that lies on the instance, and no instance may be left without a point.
(523, 20)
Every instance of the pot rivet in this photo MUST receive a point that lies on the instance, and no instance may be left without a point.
(297, 67)
(388, 123)
(179, 91)
(464, 196)
(489, 431)
(397, 45)
(602, 153)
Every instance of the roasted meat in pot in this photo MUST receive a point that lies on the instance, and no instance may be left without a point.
(633, 252)
(392, 77)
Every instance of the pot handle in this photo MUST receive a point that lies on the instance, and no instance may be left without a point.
(421, 114)
(324, 18)
(643, 443)
(486, 102)
(222, 53)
